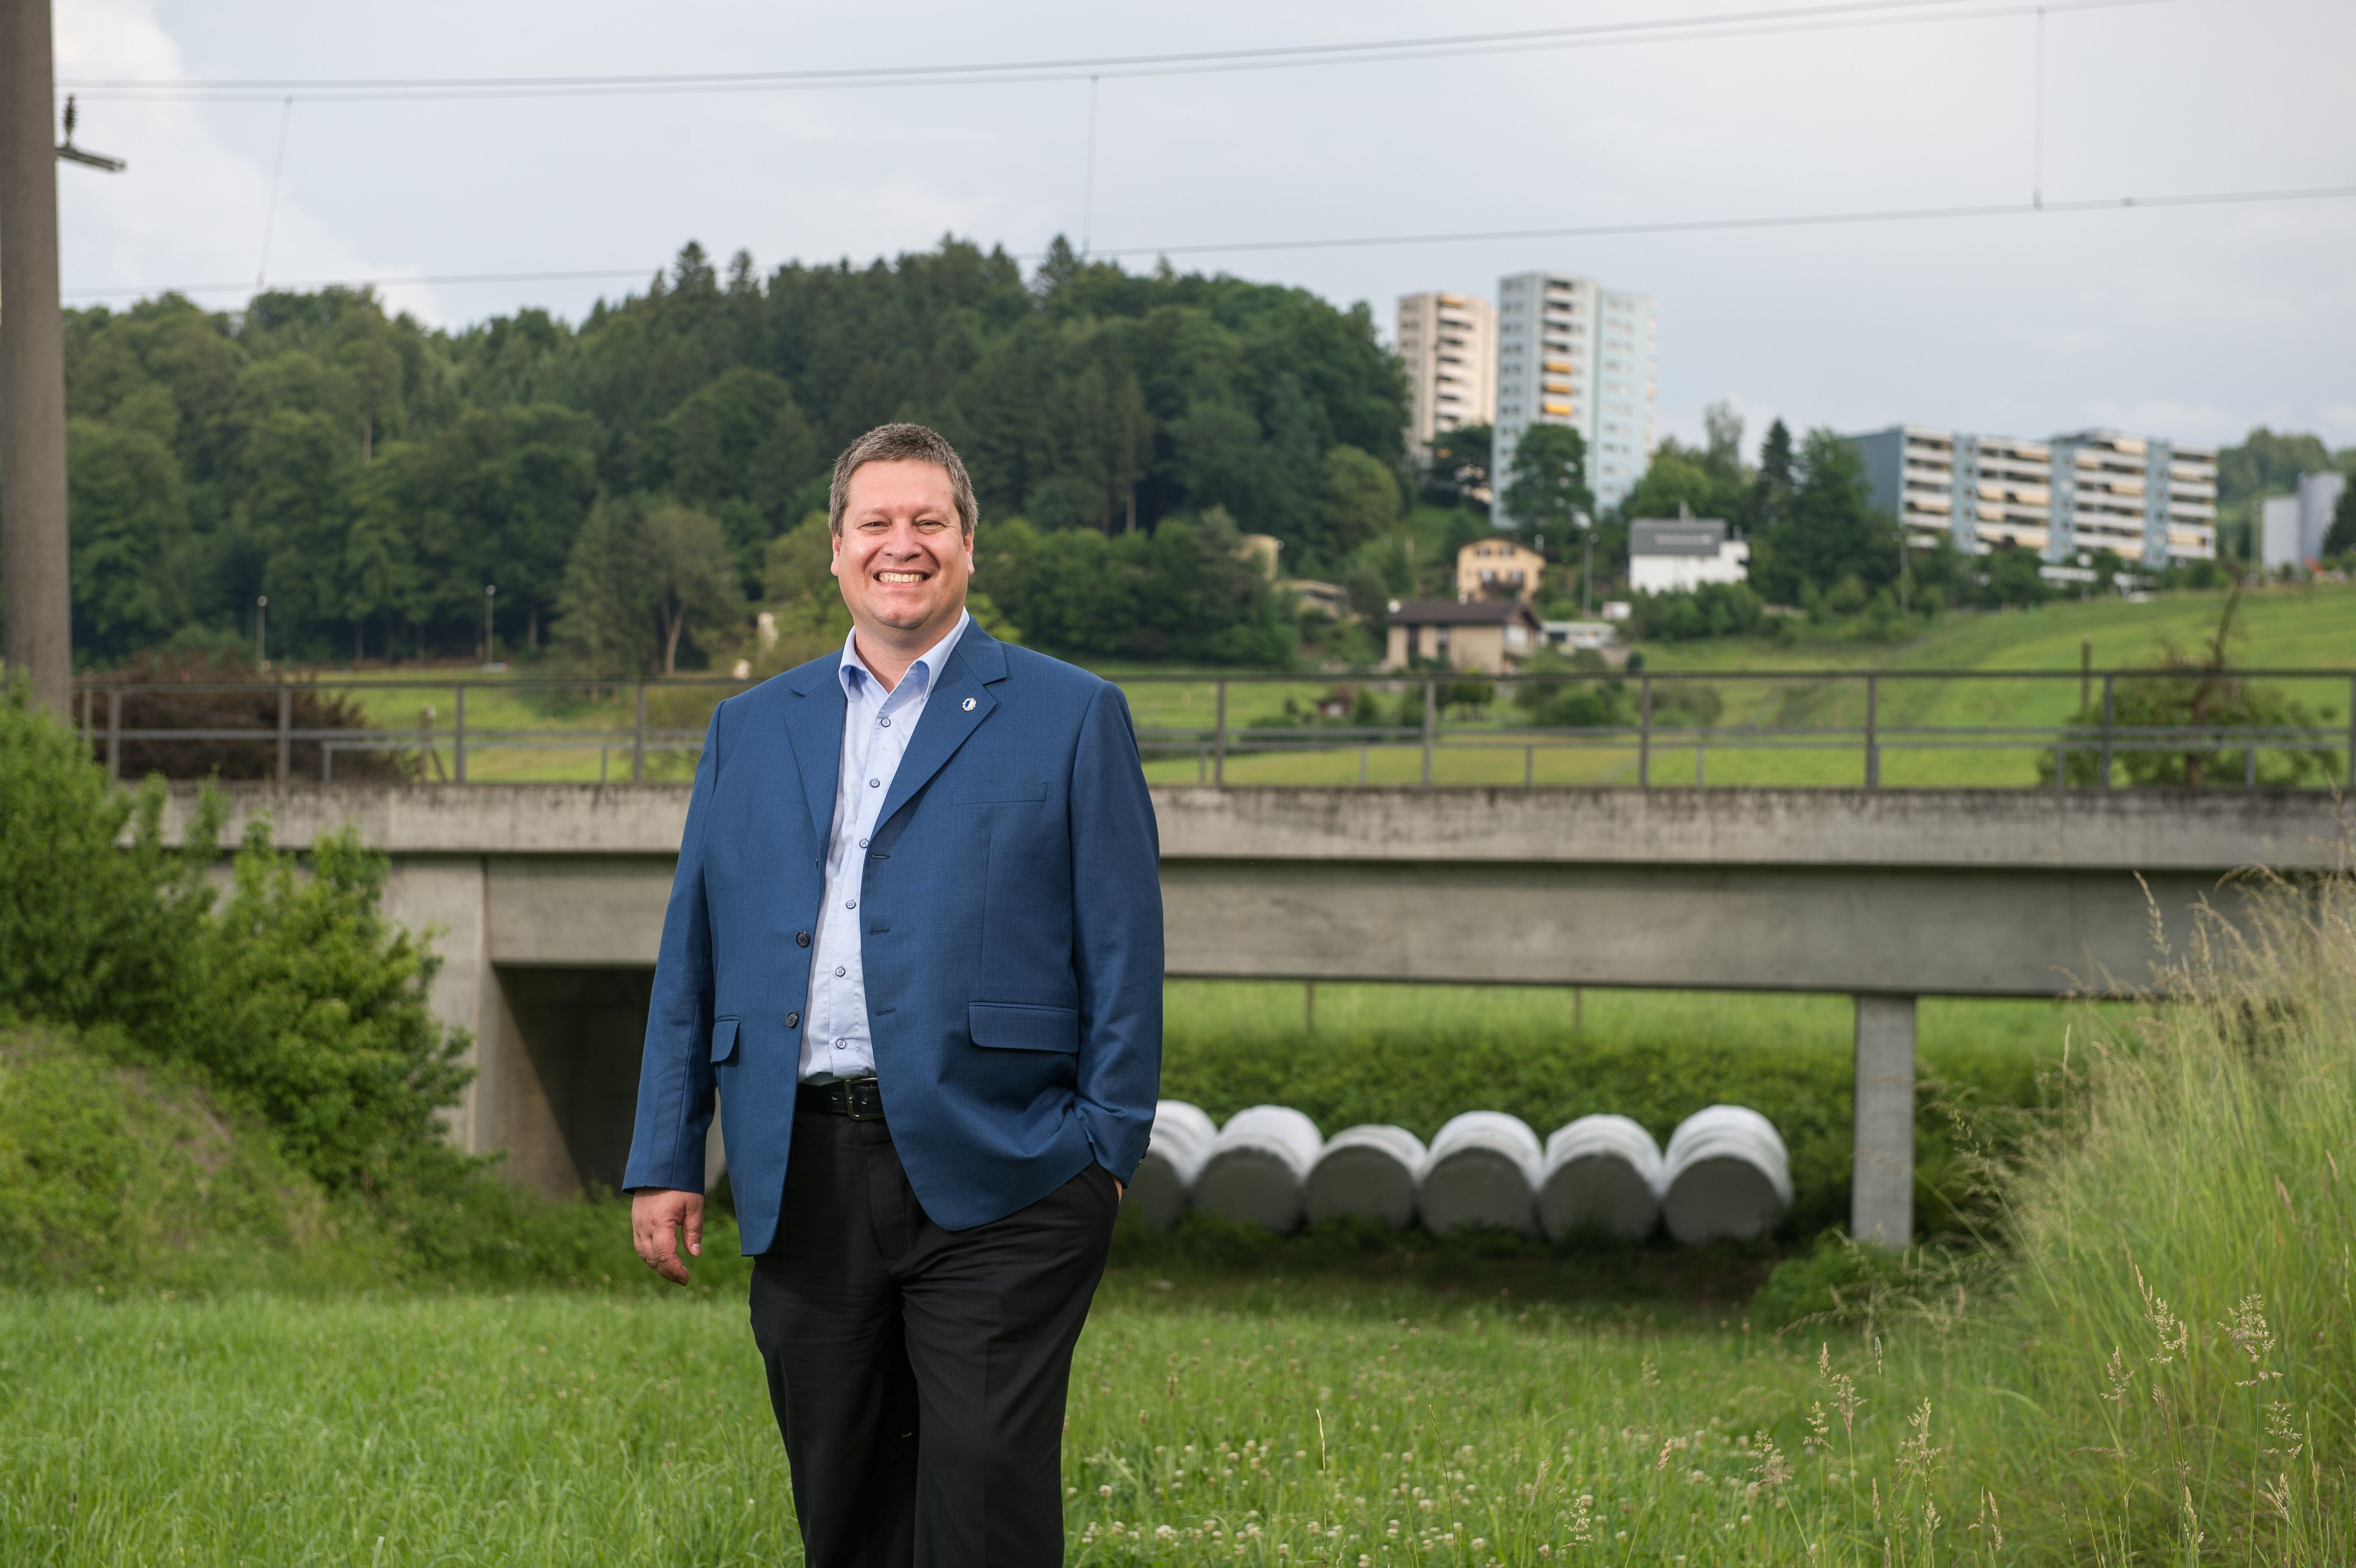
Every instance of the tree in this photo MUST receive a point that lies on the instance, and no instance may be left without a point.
(1548, 485)
(2341, 536)
(690, 577)
(1358, 501)
(130, 522)
(1461, 460)
(643, 577)
(1770, 492)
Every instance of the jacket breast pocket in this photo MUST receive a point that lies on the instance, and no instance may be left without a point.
(724, 1039)
(1004, 791)
(1012, 1026)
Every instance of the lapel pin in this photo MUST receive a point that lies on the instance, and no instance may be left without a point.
(968, 705)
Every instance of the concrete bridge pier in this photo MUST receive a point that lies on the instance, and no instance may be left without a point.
(1882, 1192)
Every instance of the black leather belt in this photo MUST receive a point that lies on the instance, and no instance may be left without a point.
(861, 1099)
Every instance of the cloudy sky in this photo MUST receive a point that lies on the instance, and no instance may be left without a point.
(2195, 323)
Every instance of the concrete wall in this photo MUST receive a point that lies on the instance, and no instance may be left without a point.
(546, 902)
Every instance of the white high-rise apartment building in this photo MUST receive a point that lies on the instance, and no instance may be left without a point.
(2147, 498)
(1450, 345)
(1570, 351)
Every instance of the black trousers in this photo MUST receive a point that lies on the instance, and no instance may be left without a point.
(919, 1374)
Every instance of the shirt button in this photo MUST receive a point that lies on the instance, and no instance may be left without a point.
(874, 783)
(838, 970)
(862, 843)
(885, 723)
(850, 903)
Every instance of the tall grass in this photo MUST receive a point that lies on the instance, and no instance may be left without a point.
(2185, 1290)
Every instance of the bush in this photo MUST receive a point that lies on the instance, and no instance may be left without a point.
(1712, 609)
(187, 705)
(298, 1001)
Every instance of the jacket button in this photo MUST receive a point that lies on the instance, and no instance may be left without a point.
(801, 939)
(792, 1021)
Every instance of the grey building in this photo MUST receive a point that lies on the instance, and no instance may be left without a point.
(2148, 500)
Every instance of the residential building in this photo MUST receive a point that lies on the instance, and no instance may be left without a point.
(2292, 527)
(1486, 635)
(2148, 500)
(1450, 345)
(1498, 567)
(1678, 555)
(1570, 351)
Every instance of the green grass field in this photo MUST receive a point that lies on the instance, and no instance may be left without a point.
(2307, 627)
(1283, 1425)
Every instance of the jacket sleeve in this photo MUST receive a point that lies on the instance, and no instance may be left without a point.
(1117, 935)
(675, 1077)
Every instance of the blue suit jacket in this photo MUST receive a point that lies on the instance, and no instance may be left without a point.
(1011, 940)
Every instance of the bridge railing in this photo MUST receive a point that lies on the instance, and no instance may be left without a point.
(1651, 729)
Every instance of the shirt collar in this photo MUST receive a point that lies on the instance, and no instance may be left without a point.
(925, 671)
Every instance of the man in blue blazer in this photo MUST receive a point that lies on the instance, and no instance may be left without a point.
(915, 948)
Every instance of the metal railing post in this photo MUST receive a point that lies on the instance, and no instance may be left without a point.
(2108, 682)
(638, 738)
(286, 735)
(2348, 780)
(1644, 732)
(114, 733)
(1219, 738)
(1872, 739)
(458, 737)
(1430, 724)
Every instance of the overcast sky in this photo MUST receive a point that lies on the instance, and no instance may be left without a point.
(2194, 324)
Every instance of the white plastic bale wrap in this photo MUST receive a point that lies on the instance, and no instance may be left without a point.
(1366, 1172)
(1174, 1152)
(1726, 1176)
(1601, 1173)
(1483, 1170)
(1257, 1166)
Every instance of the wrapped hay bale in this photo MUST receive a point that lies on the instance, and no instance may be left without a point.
(1367, 1172)
(1726, 1176)
(1600, 1173)
(1257, 1168)
(1174, 1152)
(1483, 1170)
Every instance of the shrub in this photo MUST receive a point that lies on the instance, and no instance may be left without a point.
(191, 702)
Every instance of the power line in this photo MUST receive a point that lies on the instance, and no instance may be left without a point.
(1839, 14)
(1241, 247)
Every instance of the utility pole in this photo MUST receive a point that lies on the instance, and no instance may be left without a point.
(490, 592)
(1586, 573)
(261, 631)
(35, 594)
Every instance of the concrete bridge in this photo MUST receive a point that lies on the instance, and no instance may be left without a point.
(549, 901)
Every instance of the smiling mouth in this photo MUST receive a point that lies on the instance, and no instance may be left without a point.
(899, 577)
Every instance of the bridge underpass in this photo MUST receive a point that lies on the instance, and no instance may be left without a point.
(549, 902)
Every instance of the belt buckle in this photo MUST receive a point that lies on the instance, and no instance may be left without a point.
(863, 1092)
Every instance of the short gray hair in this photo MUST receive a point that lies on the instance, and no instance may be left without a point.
(902, 443)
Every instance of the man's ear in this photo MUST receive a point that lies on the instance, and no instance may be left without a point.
(834, 561)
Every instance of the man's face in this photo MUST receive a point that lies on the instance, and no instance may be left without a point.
(902, 559)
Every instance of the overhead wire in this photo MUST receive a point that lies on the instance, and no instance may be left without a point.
(1837, 14)
(1240, 247)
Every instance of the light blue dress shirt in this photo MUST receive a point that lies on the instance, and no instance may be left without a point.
(877, 726)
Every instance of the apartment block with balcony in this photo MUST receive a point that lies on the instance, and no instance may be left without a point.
(1572, 352)
(1448, 344)
(2148, 499)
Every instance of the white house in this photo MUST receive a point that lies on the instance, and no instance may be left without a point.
(1678, 555)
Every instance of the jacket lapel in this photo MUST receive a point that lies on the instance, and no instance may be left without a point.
(954, 711)
(814, 728)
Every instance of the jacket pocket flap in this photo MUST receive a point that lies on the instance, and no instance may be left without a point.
(1004, 792)
(1010, 1026)
(724, 1039)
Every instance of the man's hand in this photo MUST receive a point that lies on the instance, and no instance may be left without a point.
(657, 1214)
